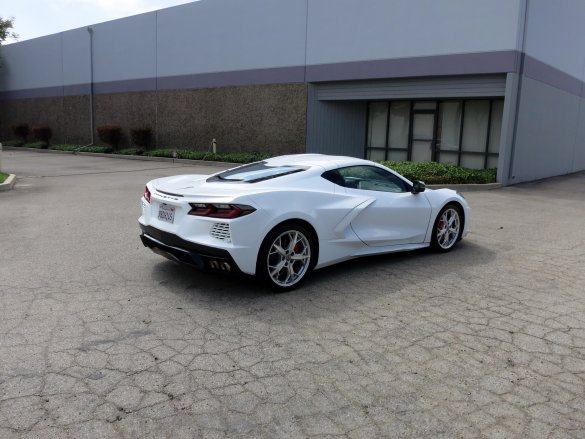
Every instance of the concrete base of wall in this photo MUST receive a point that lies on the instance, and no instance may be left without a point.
(248, 118)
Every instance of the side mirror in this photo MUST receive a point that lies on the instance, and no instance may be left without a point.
(418, 186)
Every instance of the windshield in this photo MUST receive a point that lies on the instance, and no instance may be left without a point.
(255, 172)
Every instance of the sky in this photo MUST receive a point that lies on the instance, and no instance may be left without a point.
(36, 18)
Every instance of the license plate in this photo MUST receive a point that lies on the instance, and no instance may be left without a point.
(166, 213)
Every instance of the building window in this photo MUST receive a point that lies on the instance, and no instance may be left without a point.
(462, 132)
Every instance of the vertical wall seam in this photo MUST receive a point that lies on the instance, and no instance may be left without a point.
(91, 88)
(579, 115)
(156, 79)
(62, 116)
(306, 39)
(307, 94)
(523, 25)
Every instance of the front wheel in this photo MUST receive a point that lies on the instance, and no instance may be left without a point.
(447, 229)
(286, 257)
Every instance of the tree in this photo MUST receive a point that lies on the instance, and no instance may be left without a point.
(6, 31)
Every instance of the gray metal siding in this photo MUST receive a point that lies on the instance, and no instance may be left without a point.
(336, 127)
(579, 153)
(419, 88)
(547, 139)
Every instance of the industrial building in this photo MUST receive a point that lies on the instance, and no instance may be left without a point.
(481, 83)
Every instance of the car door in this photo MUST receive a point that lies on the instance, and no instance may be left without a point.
(397, 216)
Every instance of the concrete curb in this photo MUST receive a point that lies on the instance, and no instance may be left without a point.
(457, 187)
(8, 183)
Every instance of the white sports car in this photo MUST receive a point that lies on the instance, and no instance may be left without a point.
(282, 217)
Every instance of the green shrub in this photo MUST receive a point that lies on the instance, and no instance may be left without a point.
(130, 151)
(43, 133)
(238, 157)
(195, 155)
(110, 134)
(3, 177)
(439, 173)
(64, 147)
(231, 157)
(140, 137)
(81, 148)
(21, 130)
(36, 145)
(168, 153)
(98, 149)
(15, 142)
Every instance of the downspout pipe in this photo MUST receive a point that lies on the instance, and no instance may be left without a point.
(91, 111)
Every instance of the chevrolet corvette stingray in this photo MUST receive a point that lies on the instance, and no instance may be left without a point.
(283, 217)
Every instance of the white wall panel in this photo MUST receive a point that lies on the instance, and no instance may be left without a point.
(227, 35)
(76, 65)
(125, 49)
(556, 34)
(350, 30)
(33, 63)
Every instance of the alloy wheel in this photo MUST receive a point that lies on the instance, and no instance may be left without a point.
(289, 258)
(448, 228)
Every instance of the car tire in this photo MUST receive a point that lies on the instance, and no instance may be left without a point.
(447, 228)
(286, 257)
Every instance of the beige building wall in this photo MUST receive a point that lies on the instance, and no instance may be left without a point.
(270, 118)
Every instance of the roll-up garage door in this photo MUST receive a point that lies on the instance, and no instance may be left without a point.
(417, 88)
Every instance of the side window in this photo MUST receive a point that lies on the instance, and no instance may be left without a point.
(334, 177)
(371, 178)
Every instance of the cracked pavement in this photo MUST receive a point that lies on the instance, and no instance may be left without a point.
(101, 338)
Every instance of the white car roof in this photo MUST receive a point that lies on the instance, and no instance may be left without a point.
(316, 160)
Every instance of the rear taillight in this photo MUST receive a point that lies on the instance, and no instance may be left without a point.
(227, 211)
(147, 194)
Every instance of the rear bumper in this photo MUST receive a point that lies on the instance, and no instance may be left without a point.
(177, 249)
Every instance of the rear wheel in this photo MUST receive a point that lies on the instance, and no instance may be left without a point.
(286, 257)
(447, 228)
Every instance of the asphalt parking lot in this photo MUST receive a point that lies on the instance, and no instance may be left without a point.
(100, 338)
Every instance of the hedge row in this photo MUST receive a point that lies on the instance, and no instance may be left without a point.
(439, 173)
(429, 172)
(231, 157)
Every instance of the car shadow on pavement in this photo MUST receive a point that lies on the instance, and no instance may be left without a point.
(339, 286)
(179, 277)
(424, 261)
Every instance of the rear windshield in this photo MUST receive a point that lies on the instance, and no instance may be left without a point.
(255, 172)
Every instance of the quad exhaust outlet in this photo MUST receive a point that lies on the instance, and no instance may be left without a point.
(220, 265)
